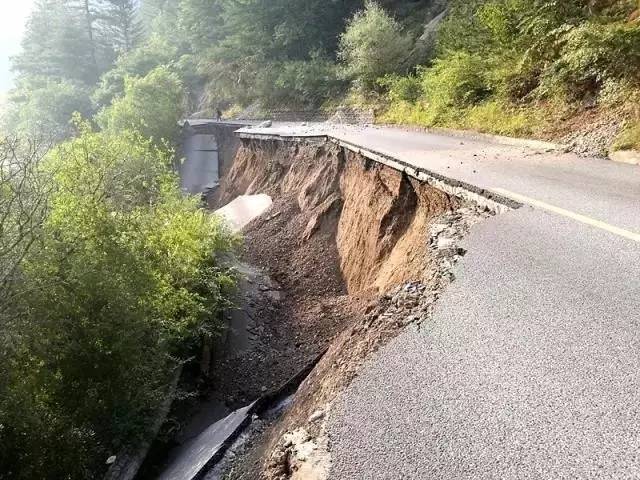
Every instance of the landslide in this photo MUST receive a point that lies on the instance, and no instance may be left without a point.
(349, 242)
(374, 217)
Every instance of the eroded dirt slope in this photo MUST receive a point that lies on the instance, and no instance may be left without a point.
(376, 215)
(360, 251)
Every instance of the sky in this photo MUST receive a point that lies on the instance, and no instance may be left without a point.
(13, 15)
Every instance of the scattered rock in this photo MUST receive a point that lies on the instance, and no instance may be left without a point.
(299, 456)
(594, 139)
(317, 415)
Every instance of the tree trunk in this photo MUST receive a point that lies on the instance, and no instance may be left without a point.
(89, 24)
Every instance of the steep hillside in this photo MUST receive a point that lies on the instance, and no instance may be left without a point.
(560, 70)
(360, 251)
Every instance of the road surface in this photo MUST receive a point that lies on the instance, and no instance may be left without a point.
(530, 368)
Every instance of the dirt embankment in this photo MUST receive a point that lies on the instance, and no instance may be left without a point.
(359, 250)
(375, 216)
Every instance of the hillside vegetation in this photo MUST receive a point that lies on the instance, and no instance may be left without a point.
(505, 66)
(109, 276)
(520, 67)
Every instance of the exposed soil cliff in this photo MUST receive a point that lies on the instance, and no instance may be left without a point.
(377, 215)
(360, 251)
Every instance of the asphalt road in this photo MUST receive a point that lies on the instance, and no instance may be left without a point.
(530, 368)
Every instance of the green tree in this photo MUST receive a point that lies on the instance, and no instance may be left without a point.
(372, 46)
(151, 106)
(139, 62)
(45, 106)
(259, 38)
(56, 44)
(121, 282)
(119, 23)
(201, 23)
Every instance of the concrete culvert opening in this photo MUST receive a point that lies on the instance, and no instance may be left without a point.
(349, 253)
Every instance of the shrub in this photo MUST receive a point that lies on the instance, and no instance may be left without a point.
(499, 118)
(455, 81)
(592, 53)
(402, 89)
(372, 46)
(151, 106)
(121, 284)
(408, 114)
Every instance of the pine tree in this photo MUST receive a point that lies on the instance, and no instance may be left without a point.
(119, 22)
(57, 44)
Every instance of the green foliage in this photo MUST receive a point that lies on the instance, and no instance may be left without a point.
(122, 280)
(56, 44)
(402, 89)
(593, 53)
(45, 106)
(151, 106)
(455, 81)
(372, 46)
(262, 46)
(67, 46)
(502, 118)
(545, 46)
(200, 21)
(629, 138)
(139, 62)
(120, 23)
(509, 66)
(23, 206)
(303, 83)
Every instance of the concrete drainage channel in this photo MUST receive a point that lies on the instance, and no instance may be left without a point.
(203, 453)
(361, 247)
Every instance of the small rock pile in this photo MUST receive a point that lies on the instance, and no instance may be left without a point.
(594, 140)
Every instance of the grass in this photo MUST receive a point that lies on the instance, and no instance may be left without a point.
(629, 138)
(492, 117)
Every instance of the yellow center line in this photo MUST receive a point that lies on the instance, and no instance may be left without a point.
(566, 213)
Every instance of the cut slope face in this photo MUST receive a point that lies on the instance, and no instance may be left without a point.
(360, 251)
(382, 229)
(379, 215)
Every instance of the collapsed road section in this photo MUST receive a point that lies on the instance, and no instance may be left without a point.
(347, 249)
(361, 248)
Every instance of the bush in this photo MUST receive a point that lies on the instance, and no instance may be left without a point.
(151, 106)
(593, 53)
(455, 81)
(121, 284)
(405, 113)
(372, 46)
(499, 118)
(402, 89)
